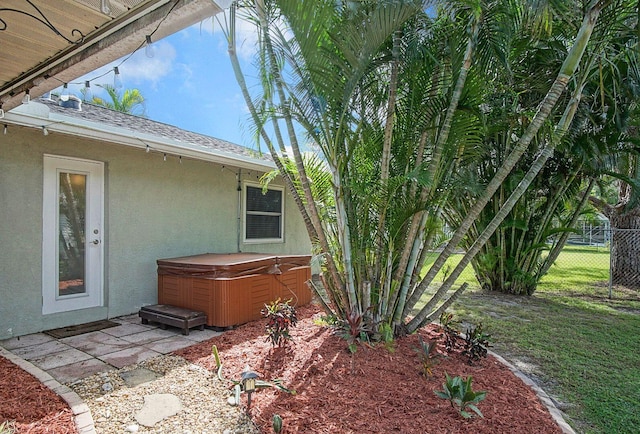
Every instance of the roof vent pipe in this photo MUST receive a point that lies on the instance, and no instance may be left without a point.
(72, 102)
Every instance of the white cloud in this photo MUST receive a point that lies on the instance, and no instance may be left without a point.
(185, 73)
(135, 70)
(140, 68)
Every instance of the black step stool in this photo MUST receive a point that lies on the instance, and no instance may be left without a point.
(165, 315)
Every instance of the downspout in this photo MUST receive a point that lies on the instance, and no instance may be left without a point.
(239, 216)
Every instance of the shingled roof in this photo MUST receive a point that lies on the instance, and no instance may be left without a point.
(110, 126)
(138, 124)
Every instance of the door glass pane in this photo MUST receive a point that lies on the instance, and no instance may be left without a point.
(71, 233)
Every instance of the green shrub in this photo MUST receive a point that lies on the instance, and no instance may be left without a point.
(460, 394)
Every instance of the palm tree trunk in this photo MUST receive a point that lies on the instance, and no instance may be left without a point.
(561, 128)
(533, 256)
(391, 105)
(434, 168)
(567, 70)
(386, 148)
(314, 228)
(312, 209)
(311, 229)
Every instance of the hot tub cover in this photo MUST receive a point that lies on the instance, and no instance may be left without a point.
(230, 265)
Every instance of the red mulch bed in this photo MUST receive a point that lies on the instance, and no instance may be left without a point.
(373, 391)
(32, 406)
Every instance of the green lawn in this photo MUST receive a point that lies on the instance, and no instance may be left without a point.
(583, 348)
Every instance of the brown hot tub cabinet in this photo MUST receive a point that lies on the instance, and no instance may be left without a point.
(232, 289)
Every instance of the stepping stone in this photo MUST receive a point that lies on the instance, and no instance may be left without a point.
(138, 376)
(158, 407)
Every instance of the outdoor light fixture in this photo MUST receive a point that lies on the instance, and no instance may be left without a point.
(45, 131)
(42, 19)
(249, 384)
(164, 156)
(87, 91)
(148, 49)
(4, 131)
(26, 98)
(64, 96)
(148, 149)
(117, 80)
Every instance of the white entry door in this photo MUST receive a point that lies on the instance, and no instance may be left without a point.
(72, 247)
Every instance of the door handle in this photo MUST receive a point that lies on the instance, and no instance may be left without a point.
(96, 242)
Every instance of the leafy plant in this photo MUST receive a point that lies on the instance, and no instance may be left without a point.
(450, 330)
(428, 356)
(276, 423)
(460, 394)
(354, 329)
(281, 316)
(385, 332)
(476, 343)
(216, 356)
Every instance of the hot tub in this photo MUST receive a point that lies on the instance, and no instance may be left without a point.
(232, 288)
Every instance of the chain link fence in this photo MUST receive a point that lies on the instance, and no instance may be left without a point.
(611, 257)
(622, 246)
(624, 253)
(592, 234)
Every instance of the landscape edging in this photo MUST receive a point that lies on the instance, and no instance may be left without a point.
(81, 412)
(543, 396)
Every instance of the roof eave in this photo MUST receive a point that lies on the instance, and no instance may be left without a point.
(57, 123)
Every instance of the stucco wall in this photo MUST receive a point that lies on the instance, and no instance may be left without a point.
(153, 209)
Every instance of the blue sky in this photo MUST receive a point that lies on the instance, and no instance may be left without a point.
(189, 81)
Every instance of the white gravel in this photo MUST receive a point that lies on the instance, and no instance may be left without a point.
(205, 409)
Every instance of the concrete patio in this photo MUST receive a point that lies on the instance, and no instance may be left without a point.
(76, 357)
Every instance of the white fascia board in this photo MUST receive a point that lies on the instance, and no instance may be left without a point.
(122, 136)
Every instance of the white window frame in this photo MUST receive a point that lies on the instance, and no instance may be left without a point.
(245, 212)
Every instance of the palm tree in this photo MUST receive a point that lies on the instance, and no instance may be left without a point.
(387, 93)
(131, 101)
(512, 260)
(566, 73)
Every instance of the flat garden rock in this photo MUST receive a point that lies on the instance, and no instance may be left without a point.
(138, 376)
(158, 407)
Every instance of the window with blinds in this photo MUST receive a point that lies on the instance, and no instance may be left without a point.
(263, 214)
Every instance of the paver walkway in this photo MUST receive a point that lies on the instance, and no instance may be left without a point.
(70, 359)
(58, 361)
